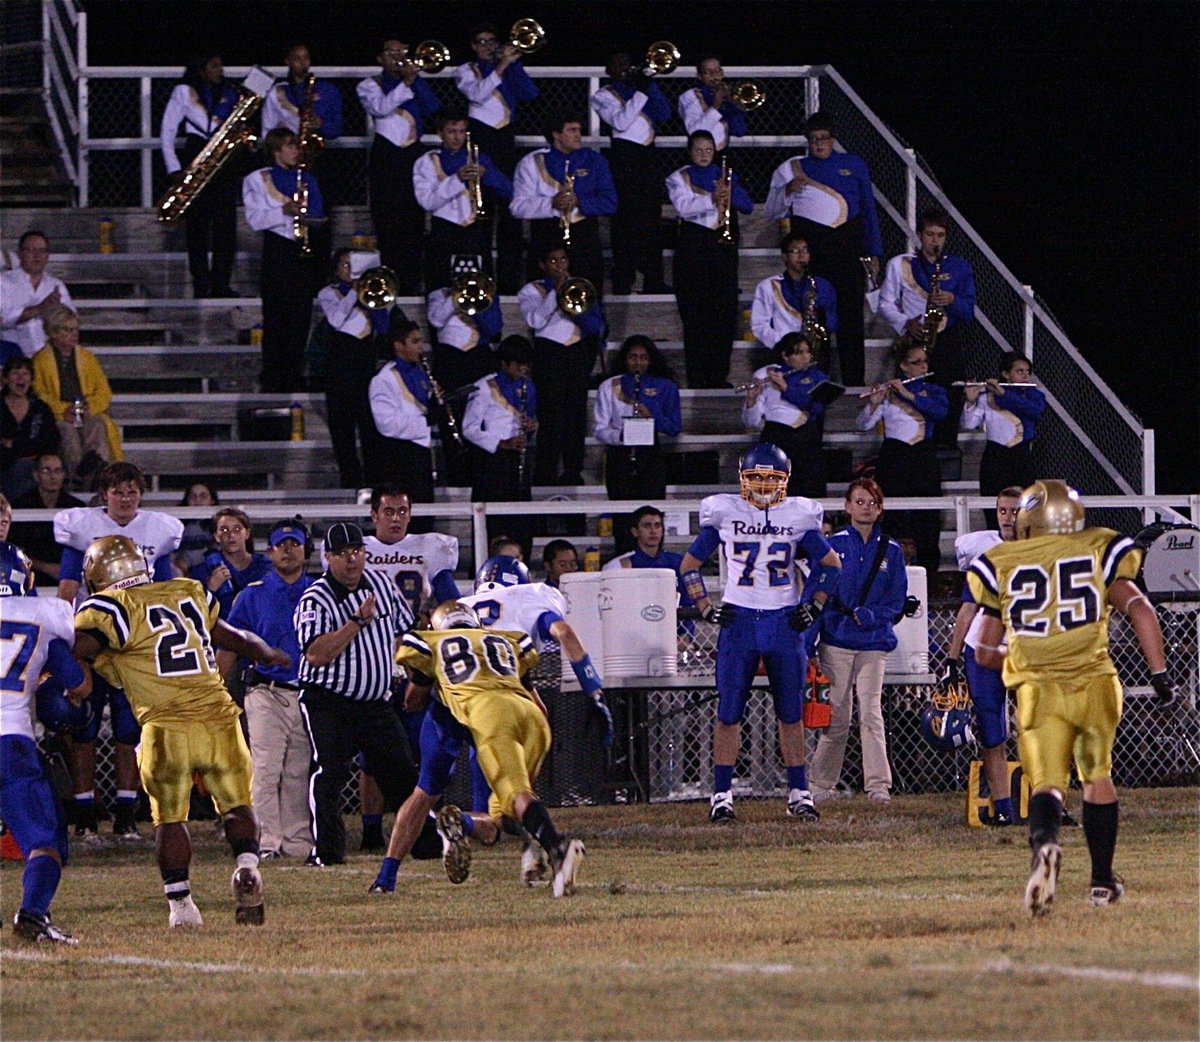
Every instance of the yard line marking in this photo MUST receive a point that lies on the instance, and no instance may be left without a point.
(172, 964)
(1178, 981)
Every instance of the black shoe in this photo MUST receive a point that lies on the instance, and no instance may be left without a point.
(622, 289)
(1068, 822)
(1000, 821)
(222, 291)
(572, 479)
(658, 287)
(38, 928)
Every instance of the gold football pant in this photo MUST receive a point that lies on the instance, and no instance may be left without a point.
(170, 753)
(1064, 722)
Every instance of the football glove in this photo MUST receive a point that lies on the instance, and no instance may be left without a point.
(1165, 693)
(954, 671)
(605, 713)
(720, 614)
(803, 616)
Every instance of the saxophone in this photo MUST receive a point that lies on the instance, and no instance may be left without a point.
(815, 333)
(564, 218)
(934, 318)
(637, 397)
(233, 134)
(311, 141)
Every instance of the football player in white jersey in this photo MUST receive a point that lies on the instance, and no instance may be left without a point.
(504, 599)
(762, 534)
(157, 536)
(36, 635)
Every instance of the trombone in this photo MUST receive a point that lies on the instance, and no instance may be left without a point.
(378, 287)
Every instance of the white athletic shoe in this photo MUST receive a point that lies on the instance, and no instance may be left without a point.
(566, 867)
(1043, 880)
(720, 808)
(185, 913)
(247, 886)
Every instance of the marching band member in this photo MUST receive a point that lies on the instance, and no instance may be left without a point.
(705, 274)
(908, 291)
(273, 207)
(633, 107)
(400, 396)
(780, 401)
(710, 105)
(493, 84)
(199, 104)
(781, 301)
(909, 406)
(1009, 417)
(564, 351)
(640, 387)
(464, 350)
(288, 100)
(543, 195)
(829, 200)
(398, 102)
(443, 181)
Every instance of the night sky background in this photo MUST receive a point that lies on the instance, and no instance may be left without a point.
(1067, 133)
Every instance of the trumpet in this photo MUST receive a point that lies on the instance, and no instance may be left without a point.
(662, 58)
(576, 296)
(476, 184)
(439, 396)
(472, 293)
(749, 95)
(429, 56)
(378, 287)
(725, 209)
(527, 36)
(887, 383)
(564, 218)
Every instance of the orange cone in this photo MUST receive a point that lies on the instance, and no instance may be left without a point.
(9, 850)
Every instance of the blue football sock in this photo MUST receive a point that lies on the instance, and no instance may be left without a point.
(468, 824)
(372, 819)
(1004, 806)
(798, 777)
(388, 872)
(722, 777)
(40, 880)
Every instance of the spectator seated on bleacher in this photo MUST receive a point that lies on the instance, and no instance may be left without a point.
(27, 294)
(69, 379)
(27, 428)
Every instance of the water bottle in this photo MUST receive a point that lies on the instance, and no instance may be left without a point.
(77, 413)
(214, 560)
(591, 559)
(296, 411)
(604, 526)
(108, 241)
(256, 335)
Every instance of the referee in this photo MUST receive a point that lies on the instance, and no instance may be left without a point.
(347, 625)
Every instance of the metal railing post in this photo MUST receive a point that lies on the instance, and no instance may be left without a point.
(1028, 335)
(910, 195)
(146, 155)
(479, 534)
(1148, 475)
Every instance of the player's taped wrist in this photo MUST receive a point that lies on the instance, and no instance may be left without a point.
(693, 583)
(585, 673)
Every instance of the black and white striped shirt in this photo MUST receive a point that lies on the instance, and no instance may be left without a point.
(363, 672)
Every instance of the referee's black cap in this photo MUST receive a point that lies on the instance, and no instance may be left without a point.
(341, 536)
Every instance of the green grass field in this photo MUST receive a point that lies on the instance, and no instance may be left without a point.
(876, 923)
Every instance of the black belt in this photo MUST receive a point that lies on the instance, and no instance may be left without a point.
(256, 679)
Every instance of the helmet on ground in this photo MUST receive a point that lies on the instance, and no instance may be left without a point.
(454, 615)
(764, 470)
(946, 721)
(1049, 507)
(114, 562)
(58, 713)
(16, 571)
(500, 571)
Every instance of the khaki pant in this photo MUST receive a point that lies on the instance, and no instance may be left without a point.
(280, 750)
(862, 670)
(77, 442)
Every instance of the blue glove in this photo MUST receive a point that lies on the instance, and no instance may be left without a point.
(609, 735)
(865, 617)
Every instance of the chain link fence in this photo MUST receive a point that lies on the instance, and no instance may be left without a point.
(664, 735)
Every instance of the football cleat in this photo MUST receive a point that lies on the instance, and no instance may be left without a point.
(1068, 822)
(763, 471)
(566, 866)
(1109, 893)
(247, 888)
(800, 805)
(533, 863)
(1000, 821)
(1049, 508)
(456, 847)
(184, 913)
(114, 562)
(37, 928)
(381, 887)
(89, 837)
(127, 832)
(500, 572)
(1043, 880)
(721, 809)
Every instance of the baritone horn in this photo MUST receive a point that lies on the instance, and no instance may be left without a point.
(662, 58)
(429, 56)
(749, 94)
(378, 287)
(575, 296)
(472, 293)
(527, 36)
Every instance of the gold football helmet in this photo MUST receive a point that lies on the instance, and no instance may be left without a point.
(113, 562)
(1049, 507)
(454, 615)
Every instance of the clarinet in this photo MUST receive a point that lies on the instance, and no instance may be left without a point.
(637, 395)
(522, 454)
(435, 389)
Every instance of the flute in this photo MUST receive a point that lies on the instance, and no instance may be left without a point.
(984, 383)
(785, 370)
(884, 386)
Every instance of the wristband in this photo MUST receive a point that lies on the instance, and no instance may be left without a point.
(358, 621)
(693, 583)
(585, 673)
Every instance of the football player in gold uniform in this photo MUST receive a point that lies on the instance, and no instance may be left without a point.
(480, 678)
(155, 640)
(1052, 590)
